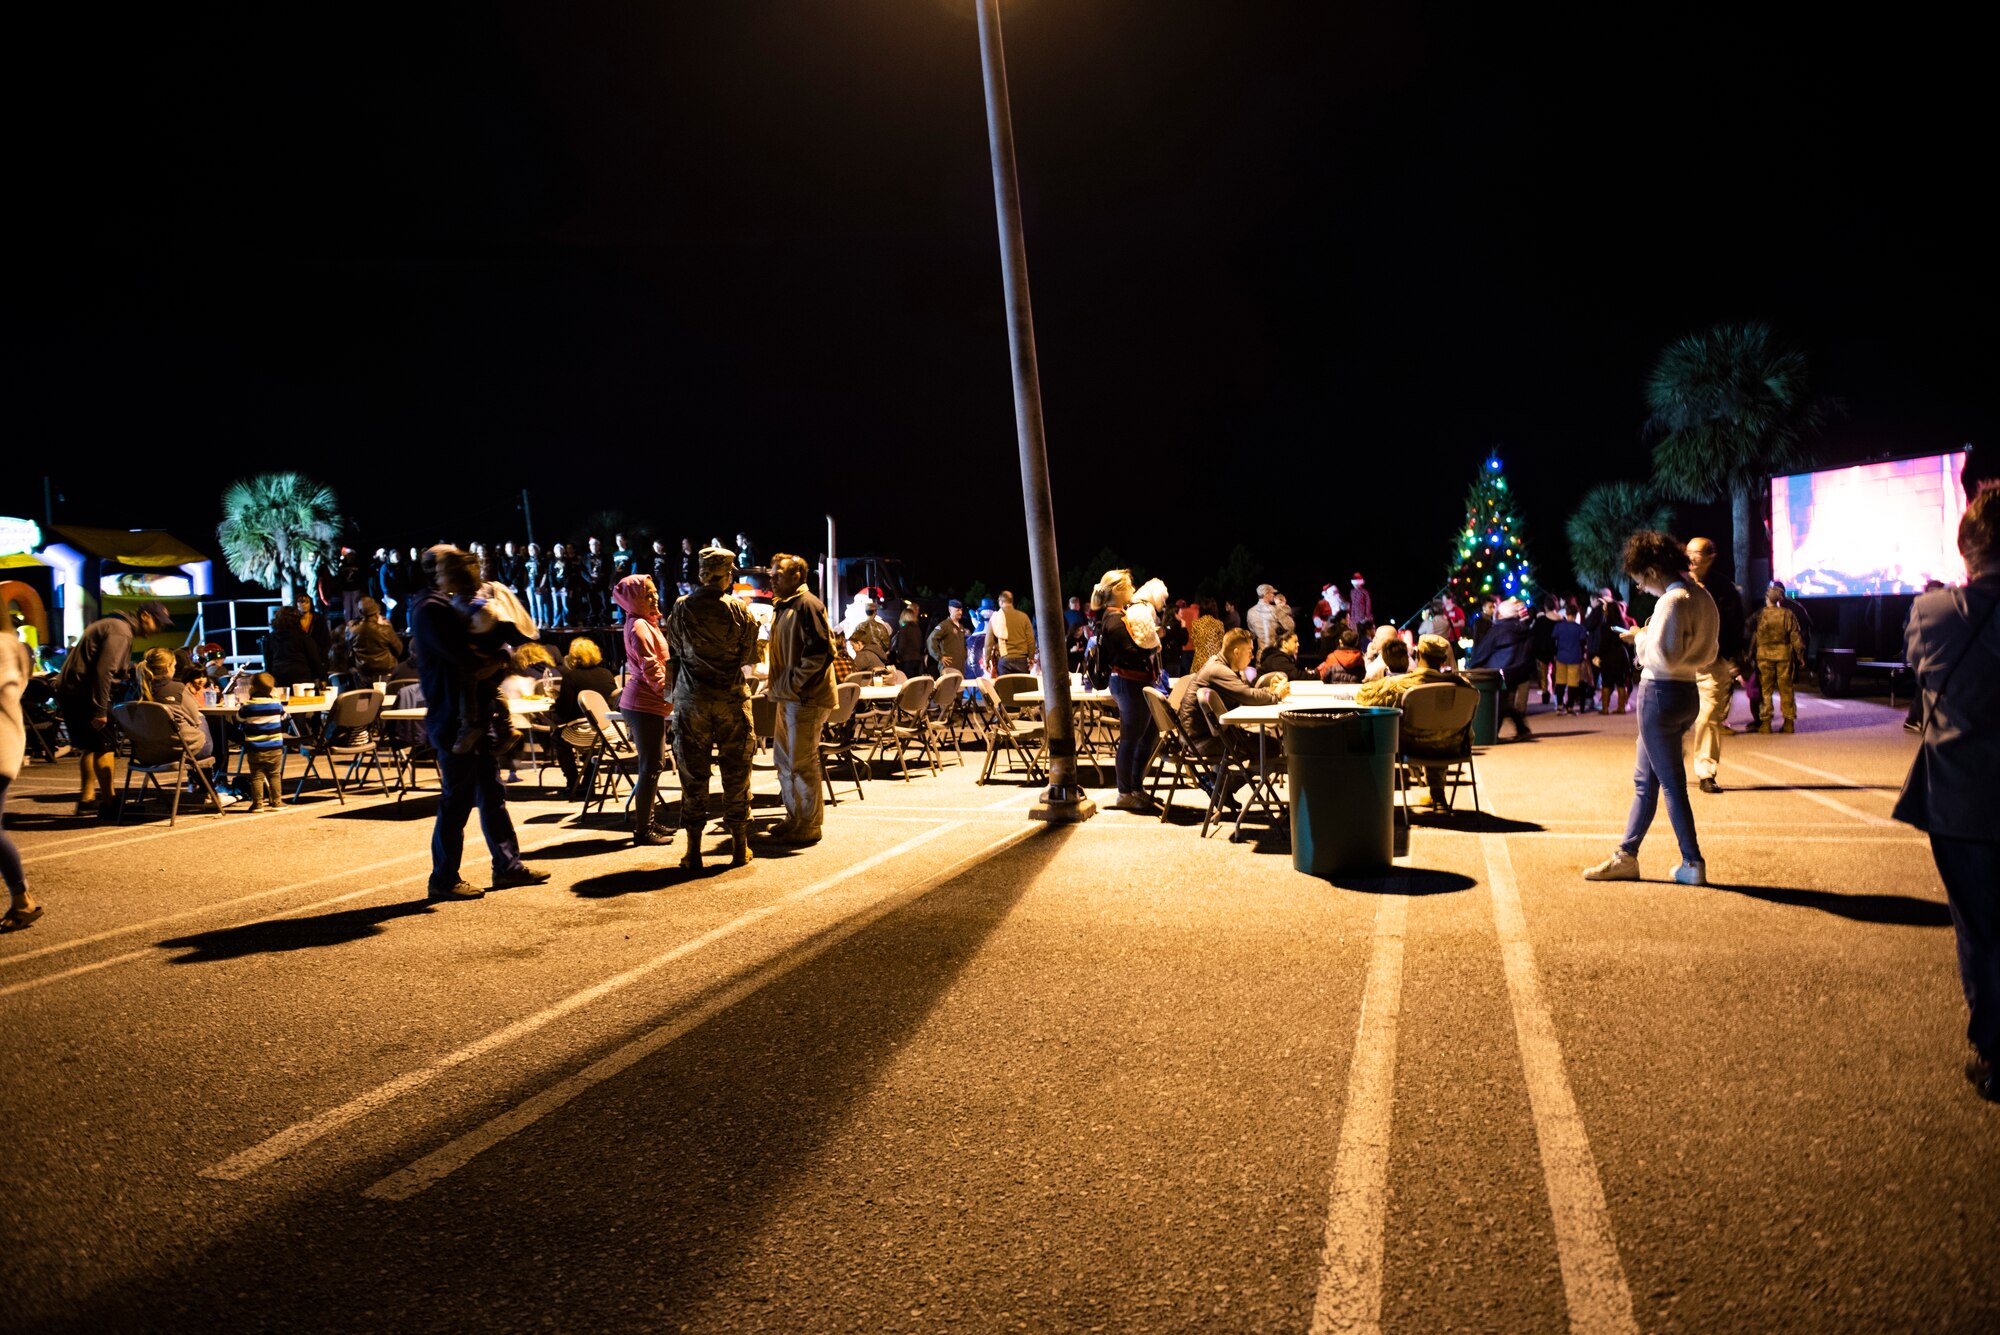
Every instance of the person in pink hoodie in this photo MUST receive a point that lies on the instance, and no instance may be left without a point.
(644, 701)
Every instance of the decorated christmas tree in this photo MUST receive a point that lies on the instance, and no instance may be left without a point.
(1491, 560)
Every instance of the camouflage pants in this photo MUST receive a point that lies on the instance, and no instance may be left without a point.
(1775, 676)
(721, 725)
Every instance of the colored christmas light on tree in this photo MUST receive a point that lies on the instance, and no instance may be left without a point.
(1490, 559)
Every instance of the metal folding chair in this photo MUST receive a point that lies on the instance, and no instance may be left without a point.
(157, 749)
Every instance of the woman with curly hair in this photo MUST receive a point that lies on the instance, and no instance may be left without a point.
(1678, 641)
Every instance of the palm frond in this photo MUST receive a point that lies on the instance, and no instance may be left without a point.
(276, 527)
(1601, 523)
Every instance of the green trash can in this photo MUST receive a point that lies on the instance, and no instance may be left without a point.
(1485, 719)
(1341, 766)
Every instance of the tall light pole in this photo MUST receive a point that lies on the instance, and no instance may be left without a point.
(1065, 799)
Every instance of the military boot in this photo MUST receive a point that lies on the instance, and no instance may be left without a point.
(739, 846)
(691, 859)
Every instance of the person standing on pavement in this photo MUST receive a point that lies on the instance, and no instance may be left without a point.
(1508, 648)
(1716, 683)
(1127, 668)
(1953, 645)
(1010, 639)
(1780, 646)
(448, 666)
(947, 642)
(17, 669)
(714, 638)
(643, 703)
(1677, 645)
(801, 678)
(91, 674)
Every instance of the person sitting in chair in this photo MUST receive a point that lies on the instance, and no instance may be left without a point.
(1433, 653)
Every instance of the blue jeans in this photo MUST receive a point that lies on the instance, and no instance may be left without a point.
(1666, 712)
(1135, 733)
(469, 781)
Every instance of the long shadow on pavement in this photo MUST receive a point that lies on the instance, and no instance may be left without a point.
(626, 1209)
(1886, 910)
(262, 938)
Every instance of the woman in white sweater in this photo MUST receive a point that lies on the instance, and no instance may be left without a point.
(15, 668)
(1678, 642)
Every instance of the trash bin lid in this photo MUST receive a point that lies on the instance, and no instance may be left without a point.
(1339, 731)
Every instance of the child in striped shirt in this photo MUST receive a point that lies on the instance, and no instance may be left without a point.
(262, 718)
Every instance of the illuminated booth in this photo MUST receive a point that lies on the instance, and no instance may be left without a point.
(90, 572)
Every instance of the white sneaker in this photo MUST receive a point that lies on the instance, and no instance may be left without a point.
(1620, 866)
(1692, 873)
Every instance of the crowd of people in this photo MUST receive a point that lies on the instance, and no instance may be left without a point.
(560, 585)
(470, 631)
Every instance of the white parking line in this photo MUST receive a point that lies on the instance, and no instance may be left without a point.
(439, 1164)
(1864, 789)
(1600, 1303)
(1350, 1282)
(87, 843)
(149, 952)
(269, 1151)
(1830, 803)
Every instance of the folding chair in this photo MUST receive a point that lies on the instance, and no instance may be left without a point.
(944, 700)
(610, 753)
(961, 709)
(356, 713)
(837, 742)
(1006, 732)
(909, 725)
(1436, 708)
(1170, 750)
(158, 748)
(1230, 770)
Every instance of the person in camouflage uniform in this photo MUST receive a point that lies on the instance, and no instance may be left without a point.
(1780, 646)
(713, 637)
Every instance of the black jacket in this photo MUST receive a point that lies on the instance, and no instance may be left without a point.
(1957, 769)
(100, 658)
(293, 656)
(1508, 648)
(1729, 639)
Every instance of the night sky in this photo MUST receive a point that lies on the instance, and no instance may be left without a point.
(1296, 267)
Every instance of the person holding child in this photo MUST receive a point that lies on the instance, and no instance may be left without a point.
(450, 664)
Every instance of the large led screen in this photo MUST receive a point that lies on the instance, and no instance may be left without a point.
(1872, 528)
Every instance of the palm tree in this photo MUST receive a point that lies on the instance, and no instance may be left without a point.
(277, 527)
(1730, 407)
(1601, 523)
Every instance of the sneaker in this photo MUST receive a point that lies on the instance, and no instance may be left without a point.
(518, 876)
(1131, 802)
(462, 890)
(1620, 866)
(1692, 873)
(1709, 785)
